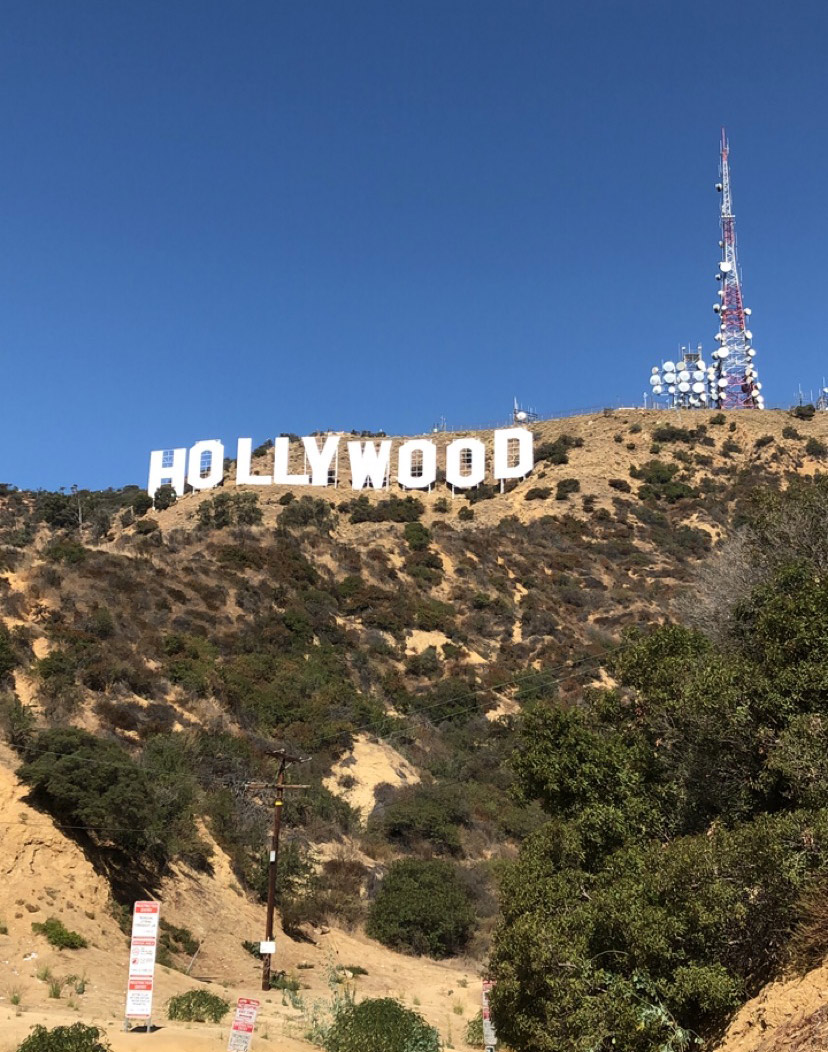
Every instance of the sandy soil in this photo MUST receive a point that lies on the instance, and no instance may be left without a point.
(368, 764)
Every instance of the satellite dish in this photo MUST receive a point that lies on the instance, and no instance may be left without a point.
(748, 311)
(671, 389)
(716, 307)
(654, 370)
(698, 374)
(655, 379)
(751, 351)
(670, 378)
(684, 387)
(719, 187)
(725, 267)
(723, 382)
(748, 334)
(698, 388)
(702, 397)
(718, 277)
(669, 367)
(700, 364)
(658, 389)
(718, 336)
(521, 415)
(684, 375)
(758, 386)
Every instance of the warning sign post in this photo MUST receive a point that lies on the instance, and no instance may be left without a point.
(241, 1032)
(142, 949)
(489, 1035)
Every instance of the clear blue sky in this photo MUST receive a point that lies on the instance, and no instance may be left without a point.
(222, 219)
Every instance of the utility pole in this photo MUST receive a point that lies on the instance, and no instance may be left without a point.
(268, 946)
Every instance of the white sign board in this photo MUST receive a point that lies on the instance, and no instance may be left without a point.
(489, 1035)
(371, 464)
(241, 1033)
(142, 960)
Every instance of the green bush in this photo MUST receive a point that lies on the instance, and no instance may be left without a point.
(538, 493)
(803, 412)
(422, 906)
(565, 487)
(465, 514)
(474, 1030)
(308, 511)
(557, 452)
(88, 782)
(379, 1025)
(58, 935)
(165, 497)
(417, 536)
(815, 448)
(75, 1038)
(197, 1006)
(791, 432)
(718, 419)
(619, 484)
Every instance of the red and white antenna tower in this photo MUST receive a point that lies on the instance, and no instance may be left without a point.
(734, 379)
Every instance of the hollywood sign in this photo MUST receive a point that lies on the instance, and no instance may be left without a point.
(465, 462)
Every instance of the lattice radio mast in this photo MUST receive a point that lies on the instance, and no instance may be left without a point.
(735, 383)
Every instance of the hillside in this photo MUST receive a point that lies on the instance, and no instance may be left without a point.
(390, 638)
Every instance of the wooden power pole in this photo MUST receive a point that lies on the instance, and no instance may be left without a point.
(268, 947)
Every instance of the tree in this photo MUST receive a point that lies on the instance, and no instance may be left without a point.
(688, 817)
(422, 906)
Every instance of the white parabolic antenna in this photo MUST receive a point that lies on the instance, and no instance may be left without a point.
(670, 377)
(725, 267)
(669, 367)
(698, 388)
(655, 379)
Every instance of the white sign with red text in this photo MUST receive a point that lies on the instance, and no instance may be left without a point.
(489, 1035)
(142, 959)
(241, 1033)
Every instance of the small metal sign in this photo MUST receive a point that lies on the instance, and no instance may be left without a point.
(142, 960)
(241, 1033)
(489, 1035)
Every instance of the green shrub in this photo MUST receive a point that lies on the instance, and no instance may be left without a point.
(394, 509)
(197, 1006)
(762, 441)
(75, 1038)
(557, 452)
(620, 484)
(441, 505)
(791, 432)
(379, 1025)
(422, 906)
(718, 419)
(538, 493)
(308, 511)
(565, 487)
(141, 503)
(474, 1031)
(815, 448)
(417, 536)
(92, 783)
(58, 935)
(165, 497)
(803, 412)
(465, 514)
(144, 527)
